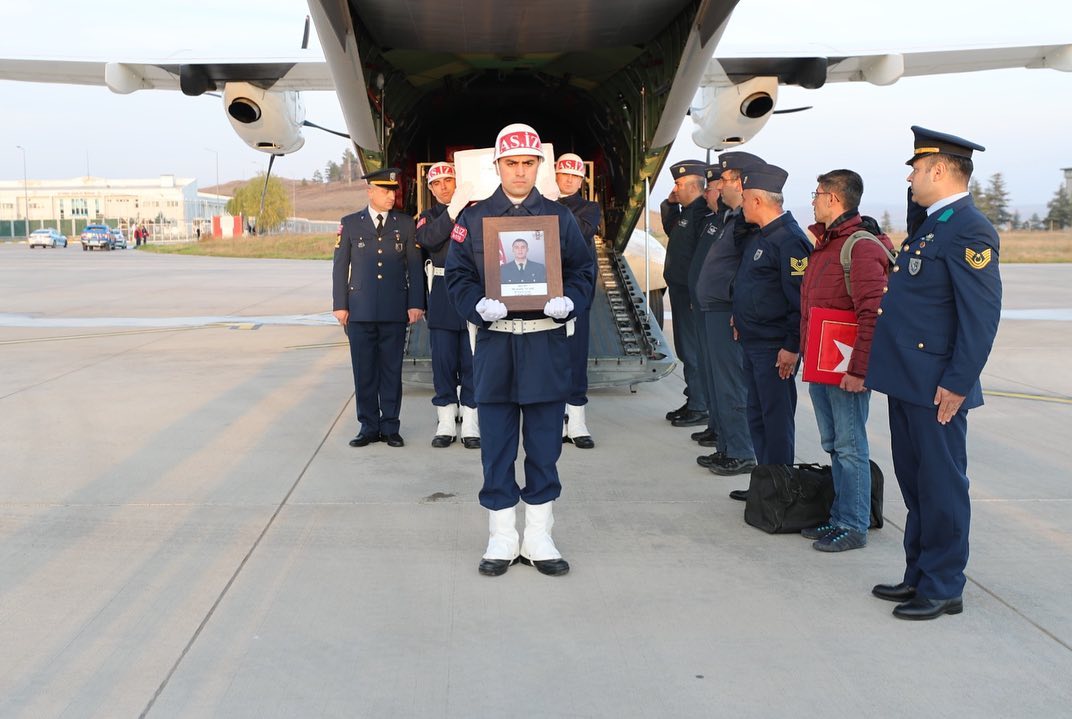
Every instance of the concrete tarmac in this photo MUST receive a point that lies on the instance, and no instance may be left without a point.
(184, 531)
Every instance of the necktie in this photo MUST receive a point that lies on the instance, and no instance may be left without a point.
(379, 225)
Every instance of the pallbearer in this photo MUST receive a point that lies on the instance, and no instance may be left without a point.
(452, 359)
(569, 175)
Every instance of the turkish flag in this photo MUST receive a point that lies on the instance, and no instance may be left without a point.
(828, 346)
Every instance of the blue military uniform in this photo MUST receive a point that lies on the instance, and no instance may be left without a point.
(376, 276)
(525, 372)
(589, 217)
(452, 358)
(511, 273)
(766, 314)
(683, 227)
(936, 326)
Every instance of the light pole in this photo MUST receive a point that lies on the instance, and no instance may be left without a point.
(25, 191)
(217, 154)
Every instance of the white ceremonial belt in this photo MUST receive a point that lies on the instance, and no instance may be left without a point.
(438, 271)
(521, 327)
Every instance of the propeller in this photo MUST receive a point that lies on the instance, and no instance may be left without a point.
(789, 110)
(264, 191)
(305, 35)
(306, 123)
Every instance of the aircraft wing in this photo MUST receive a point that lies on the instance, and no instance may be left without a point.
(306, 72)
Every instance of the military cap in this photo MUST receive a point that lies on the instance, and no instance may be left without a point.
(386, 178)
(518, 139)
(570, 164)
(929, 142)
(713, 173)
(438, 171)
(763, 177)
(738, 161)
(688, 167)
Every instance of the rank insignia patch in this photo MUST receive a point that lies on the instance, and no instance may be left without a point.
(978, 260)
(759, 253)
(914, 265)
(421, 222)
(798, 265)
(458, 233)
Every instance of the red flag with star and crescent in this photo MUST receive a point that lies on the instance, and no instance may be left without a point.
(828, 346)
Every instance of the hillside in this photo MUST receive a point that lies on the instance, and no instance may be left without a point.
(314, 201)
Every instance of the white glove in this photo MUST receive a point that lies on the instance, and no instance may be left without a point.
(553, 193)
(490, 310)
(558, 308)
(460, 199)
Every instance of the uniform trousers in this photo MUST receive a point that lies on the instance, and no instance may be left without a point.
(540, 426)
(726, 387)
(704, 375)
(578, 351)
(686, 344)
(376, 355)
(931, 463)
(772, 405)
(452, 367)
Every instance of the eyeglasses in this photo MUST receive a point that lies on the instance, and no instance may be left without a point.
(815, 195)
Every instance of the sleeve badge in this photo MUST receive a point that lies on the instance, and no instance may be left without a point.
(458, 233)
(798, 266)
(978, 260)
(421, 222)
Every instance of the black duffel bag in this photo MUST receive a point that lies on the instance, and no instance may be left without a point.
(785, 499)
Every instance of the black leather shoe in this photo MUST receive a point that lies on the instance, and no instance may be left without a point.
(442, 440)
(706, 460)
(702, 435)
(691, 418)
(922, 608)
(713, 442)
(393, 440)
(550, 567)
(675, 413)
(495, 567)
(894, 592)
(362, 440)
(741, 495)
(471, 442)
(584, 442)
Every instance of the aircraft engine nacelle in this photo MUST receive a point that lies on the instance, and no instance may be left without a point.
(266, 120)
(729, 116)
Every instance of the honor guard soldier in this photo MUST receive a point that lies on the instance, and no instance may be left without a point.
(727, 392)
(452, 358)
(683, 215)
(569, 176)
(376, 291)
(935, 329)
(521, 365)
(766, 314)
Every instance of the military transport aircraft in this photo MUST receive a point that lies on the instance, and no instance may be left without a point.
(417, 80)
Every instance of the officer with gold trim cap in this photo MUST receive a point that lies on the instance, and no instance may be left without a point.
(935, 329)
(376, 292)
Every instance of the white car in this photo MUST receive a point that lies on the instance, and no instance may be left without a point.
(48, 237)
(120, 239)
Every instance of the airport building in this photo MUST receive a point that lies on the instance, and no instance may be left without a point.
(171, 205)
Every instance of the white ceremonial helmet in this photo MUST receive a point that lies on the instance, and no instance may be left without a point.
(517, 139)
(570, 164)
(438, 171)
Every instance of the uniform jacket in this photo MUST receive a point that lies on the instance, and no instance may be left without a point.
(714, 284)
(938, 320)
(531, 272)
(712, 226)
(522, 368)
(824, 281)
(766, 290)
(682, 238)
(433, 236)
(377, 279)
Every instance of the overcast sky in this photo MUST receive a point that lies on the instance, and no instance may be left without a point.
(1021, 116)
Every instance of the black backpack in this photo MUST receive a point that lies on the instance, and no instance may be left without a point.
(784, 499)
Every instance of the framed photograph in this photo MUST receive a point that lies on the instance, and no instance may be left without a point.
(522, 261)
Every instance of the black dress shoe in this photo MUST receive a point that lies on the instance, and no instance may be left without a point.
(691, 418)
(393, 440)
(675, 413)
(923, 608)
(713, 442)
(442, 440)
(495, 567)
(703, 434)
(364, 439)
(706, 460)
(741, 495)
(550, 567)
(584, 442)
(471, 442)
(894, 592)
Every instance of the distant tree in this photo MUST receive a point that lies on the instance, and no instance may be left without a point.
(997, 201)
(979, 197)
(304, 182)
(318, 177)
(1034, 222)
(333, 171)
(1015, 223)
(1060, 210)
(351, 168)
(247, 202)
(887, 223)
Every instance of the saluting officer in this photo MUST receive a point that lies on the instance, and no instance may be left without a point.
(521, 365)
(766, 314)
(569, 176)
(452, 358)
(376, 291)
(934, 332)
(683, 215)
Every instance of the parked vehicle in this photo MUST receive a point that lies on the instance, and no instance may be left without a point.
(98, 237)
(120, 239)
(47, 237)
